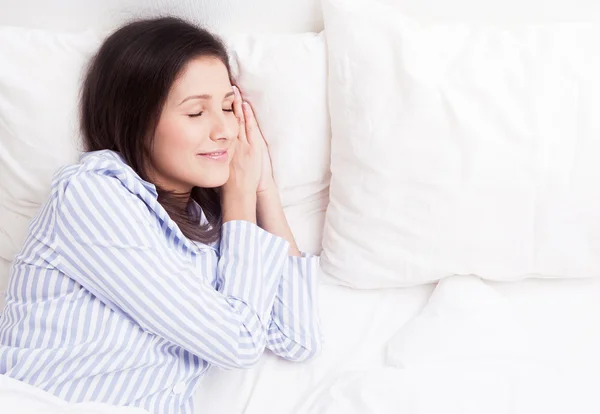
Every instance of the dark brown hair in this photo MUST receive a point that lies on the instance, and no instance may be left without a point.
(125, 88)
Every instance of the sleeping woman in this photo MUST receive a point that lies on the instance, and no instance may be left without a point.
(165, 250)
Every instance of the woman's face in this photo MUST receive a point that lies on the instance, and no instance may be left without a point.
(196, 133)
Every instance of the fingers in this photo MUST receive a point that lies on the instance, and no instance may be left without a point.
(239, 113)
(251, 124)
(249, 129)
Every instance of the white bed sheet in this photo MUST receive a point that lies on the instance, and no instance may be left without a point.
(352, 375)
(357, 372)
(17, 397)
(357, 326)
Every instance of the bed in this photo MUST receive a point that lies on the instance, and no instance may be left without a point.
(357, 374)
(463, 328)
(354, 374)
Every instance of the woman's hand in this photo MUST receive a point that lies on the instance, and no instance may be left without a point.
(251, 172)
(238, 195)
(266, 182)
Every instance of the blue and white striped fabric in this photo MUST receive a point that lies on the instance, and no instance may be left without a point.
(108, 301)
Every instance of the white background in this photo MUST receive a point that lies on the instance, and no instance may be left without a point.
(272, 15)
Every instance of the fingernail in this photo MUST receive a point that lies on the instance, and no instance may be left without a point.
(246, 105)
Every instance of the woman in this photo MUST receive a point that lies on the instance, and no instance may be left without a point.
(165, 250)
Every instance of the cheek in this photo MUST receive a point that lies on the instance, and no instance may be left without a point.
(174, 147)
(175, 134)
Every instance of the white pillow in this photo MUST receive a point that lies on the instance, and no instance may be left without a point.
(284, 76)
(460, 149)
(39, 85)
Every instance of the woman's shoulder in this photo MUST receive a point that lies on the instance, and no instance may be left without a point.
(102, 200)
(103, 168)
(102, 181)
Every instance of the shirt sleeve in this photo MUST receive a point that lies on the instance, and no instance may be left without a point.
(294, 331)
(107, 240)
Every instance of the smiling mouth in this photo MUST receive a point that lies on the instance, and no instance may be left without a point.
(215, 155)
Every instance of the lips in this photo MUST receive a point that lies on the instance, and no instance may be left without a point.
(220, 155)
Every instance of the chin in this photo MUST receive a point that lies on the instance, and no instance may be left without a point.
(213, 182)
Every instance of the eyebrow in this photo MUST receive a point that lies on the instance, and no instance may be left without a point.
(204, 97)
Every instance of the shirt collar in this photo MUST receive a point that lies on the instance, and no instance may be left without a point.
(121, 160)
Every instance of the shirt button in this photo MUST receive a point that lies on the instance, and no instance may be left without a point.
(179, 387)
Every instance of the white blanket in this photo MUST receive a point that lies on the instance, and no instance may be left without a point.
(20, 398)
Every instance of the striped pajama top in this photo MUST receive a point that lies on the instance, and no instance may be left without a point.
(108, 301)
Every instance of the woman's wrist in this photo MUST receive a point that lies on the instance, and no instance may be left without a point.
(266, 189)
(269, 193)
(239, 205)
(268, 205)
(271, 217)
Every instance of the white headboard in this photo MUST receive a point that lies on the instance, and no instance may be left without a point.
(271, 16)
(255, 16)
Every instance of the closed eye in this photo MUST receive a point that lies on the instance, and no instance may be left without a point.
(195, 115)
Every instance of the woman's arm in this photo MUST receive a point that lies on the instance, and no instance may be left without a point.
(270, 216)
(293, 332)
(106, 240)
(269, 211)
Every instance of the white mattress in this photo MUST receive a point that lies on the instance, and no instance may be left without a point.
(561, 319)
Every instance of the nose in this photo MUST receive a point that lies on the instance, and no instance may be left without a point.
(223, 128)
